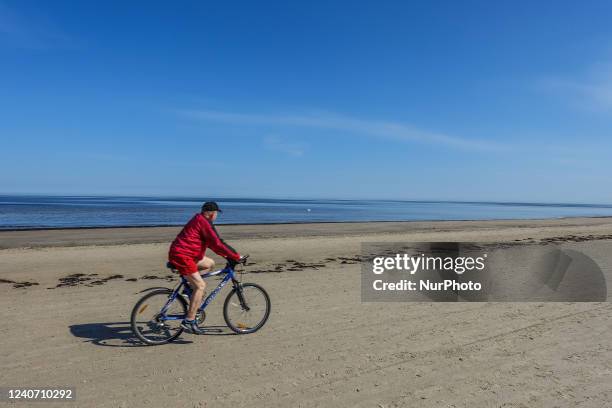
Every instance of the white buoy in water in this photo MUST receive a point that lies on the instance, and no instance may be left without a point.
(308, 209)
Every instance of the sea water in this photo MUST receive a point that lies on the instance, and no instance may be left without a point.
(37, 211)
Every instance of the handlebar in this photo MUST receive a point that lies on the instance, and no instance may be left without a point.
(243, 260)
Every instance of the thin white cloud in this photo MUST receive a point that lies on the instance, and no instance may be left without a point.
(129, 159)
(284, 146)
(387, 130)
(593, 91)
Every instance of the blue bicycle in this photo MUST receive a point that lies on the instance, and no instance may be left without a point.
(156, 318)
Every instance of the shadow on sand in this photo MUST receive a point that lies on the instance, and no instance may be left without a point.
(119, 334)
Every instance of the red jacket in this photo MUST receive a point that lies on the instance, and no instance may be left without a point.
(198, 235)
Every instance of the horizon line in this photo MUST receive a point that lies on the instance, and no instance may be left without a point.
(221, 197)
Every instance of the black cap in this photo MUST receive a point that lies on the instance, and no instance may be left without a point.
(210, 206)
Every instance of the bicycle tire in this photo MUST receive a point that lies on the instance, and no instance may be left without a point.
(259, 325)
(137, 306)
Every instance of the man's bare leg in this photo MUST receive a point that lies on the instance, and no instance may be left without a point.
(198, 286)
(206, 264)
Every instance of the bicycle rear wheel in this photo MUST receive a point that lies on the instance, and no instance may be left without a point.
(246, 308)
(150, 325)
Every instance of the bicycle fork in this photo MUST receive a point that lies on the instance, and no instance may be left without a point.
(238, 289)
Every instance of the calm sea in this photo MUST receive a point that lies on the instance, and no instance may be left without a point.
(23, 212)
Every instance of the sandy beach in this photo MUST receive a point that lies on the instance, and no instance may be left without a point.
(66, 296)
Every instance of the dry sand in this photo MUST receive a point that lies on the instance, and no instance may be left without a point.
(321, 347)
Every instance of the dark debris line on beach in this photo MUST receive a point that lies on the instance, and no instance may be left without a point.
(17, 285)
(296, 266)
(566, 238)
(91, 279)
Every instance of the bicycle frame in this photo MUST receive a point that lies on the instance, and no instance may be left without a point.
(229, 275)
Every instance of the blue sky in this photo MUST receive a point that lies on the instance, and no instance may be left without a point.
(501, 101)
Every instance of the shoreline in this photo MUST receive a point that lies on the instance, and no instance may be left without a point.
(105, 236)
(103, 227)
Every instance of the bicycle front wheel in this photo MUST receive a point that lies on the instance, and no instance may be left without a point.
(152, 326)
(246, 308)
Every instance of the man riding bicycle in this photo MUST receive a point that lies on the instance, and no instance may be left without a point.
(187, 255)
